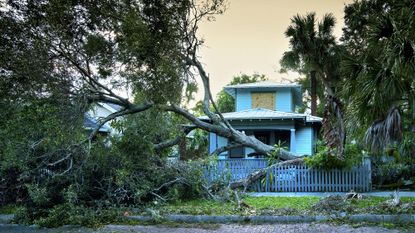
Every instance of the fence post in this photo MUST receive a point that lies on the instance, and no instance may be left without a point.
(367, 164)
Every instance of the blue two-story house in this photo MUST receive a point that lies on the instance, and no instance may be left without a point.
(267, 110)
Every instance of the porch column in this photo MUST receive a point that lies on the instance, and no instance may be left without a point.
(292, 141)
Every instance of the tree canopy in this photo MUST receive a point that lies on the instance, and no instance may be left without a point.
(378, 68)
(317, 53)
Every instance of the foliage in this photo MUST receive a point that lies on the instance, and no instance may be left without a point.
(378, 67)
(225, 102)
(393, 173)
(69, 214)
(305, 83)
(198, 146)
(313, 49)
(326, 159)
(8, 209)
(118, 171)
(28, 151)
(273, 158)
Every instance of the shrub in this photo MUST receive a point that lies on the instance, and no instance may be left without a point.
(326, 159)
(393, 172)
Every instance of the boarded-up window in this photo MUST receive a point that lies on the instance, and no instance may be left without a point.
(263, 100)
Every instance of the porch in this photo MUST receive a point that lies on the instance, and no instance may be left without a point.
(283, 137)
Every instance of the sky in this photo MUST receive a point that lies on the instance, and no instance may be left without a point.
(249, 37)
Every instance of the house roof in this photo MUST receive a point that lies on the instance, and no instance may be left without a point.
(91, 123)
(266, 114)
(111, 107)
(116, 107)
(266, 86)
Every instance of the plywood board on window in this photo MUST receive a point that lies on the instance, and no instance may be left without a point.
(263, 100)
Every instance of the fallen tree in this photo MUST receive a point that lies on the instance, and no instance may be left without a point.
(257, 175)
(147, 49)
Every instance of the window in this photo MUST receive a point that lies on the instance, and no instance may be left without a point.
(263, 100)
(237, 152)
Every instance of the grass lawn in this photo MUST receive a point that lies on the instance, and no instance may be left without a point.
(8, 209)
(285, 206)
(272, 206)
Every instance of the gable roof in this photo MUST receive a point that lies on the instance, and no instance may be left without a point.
(266, 86)
(266, 114)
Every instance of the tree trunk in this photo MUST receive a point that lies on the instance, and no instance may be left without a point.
(313, 88)
(334, 131)
(183, 149)
(257, 175)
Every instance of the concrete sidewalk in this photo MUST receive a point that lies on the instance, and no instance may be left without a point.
(326, 194)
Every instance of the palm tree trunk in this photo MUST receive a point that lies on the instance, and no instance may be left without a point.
(313, 87)
(334, 132)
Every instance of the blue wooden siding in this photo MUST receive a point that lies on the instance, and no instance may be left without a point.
(212, 142)
(222, 142)
(243, 100)
(216, 142)
(304, 140)
(284, 101)
(292, 102)
(315, 130)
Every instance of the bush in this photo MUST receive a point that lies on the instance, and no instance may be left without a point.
(108, 173)
(393, 173)
(327, 159)
(66, 213)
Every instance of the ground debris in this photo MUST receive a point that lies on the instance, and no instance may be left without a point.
(353, 195)
(332, 204)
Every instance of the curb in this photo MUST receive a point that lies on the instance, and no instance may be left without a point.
(404, 218)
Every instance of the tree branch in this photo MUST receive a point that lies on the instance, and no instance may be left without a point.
(133, 109)
(234, 136)
(261, 173)
(225, 148)
(169, 143)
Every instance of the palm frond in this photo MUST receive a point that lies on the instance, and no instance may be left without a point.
(383, 133)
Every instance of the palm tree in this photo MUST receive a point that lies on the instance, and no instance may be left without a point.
(309, 48)
(379, 70)
(316, 53)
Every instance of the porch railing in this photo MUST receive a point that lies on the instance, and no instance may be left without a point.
(293, 178)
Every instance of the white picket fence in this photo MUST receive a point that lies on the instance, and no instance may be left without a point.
(293, 178)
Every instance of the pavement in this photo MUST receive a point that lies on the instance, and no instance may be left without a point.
(326, 194)
(215, 228)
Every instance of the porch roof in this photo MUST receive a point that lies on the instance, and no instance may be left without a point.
(266, 114)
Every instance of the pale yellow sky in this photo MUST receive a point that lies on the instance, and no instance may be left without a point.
(249, 37)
